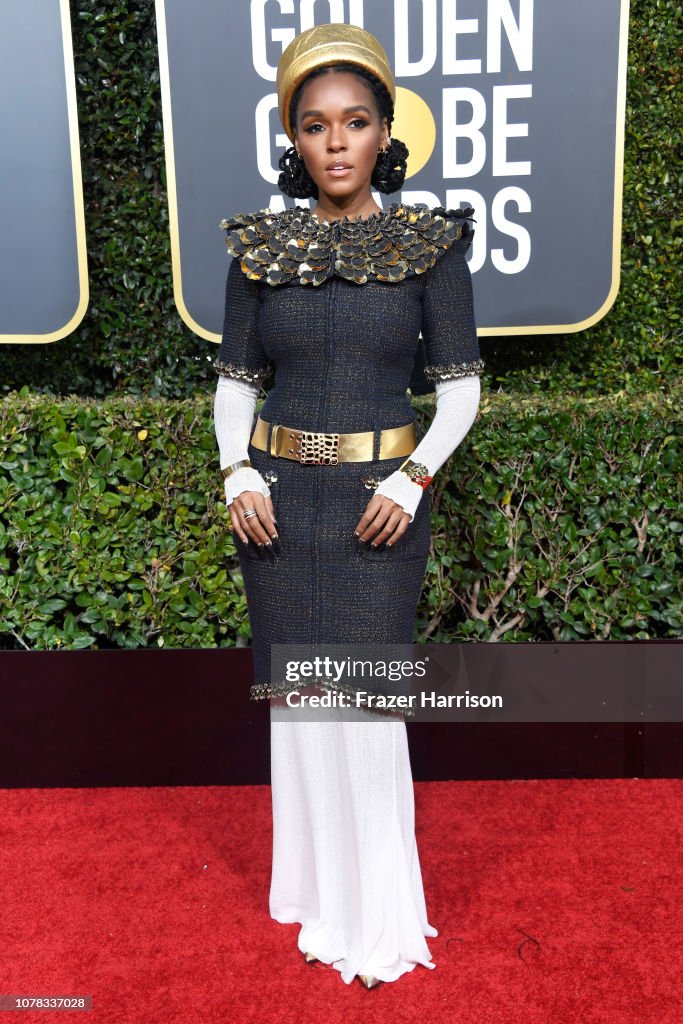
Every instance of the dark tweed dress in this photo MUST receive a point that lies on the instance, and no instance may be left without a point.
(335, 310)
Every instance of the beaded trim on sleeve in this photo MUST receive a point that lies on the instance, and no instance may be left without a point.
(448, 371)
(241, 372)
(389, 245)
(261, 691)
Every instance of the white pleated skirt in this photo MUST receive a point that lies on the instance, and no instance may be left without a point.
(345, 860)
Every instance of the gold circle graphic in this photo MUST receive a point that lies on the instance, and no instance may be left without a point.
(414, 124)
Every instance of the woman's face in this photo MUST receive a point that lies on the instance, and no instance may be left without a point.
(337, 123)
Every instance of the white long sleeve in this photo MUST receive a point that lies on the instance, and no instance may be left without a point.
(233, 414)
(457, 402)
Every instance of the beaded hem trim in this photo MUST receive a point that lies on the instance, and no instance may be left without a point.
(389, 245)
(261, 691)
(450, 370)
(240, 372)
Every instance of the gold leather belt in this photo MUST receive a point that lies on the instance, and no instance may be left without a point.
(317, 448)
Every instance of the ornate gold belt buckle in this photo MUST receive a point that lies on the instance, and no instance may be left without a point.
(316, 448)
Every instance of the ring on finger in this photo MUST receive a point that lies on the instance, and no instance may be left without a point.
(249, 513)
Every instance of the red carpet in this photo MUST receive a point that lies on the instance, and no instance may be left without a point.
(556, 901)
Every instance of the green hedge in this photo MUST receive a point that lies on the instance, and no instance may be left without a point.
(132, 339)
(553, 520)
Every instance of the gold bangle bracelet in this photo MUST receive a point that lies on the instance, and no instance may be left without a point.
(235, 466)
(417, 472)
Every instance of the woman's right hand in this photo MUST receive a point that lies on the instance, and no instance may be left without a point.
(260, 528)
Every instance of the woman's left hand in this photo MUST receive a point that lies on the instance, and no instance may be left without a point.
(383, 520)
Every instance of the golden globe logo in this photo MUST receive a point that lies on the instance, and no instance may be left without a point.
(489, 104)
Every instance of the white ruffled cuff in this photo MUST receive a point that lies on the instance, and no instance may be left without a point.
(401, 489)
(245, 479)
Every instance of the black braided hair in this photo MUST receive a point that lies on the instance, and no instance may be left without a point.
(390, 168)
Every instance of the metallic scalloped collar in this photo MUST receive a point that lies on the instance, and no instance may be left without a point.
(390, 245)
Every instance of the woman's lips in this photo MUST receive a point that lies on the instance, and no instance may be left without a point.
(338, 172)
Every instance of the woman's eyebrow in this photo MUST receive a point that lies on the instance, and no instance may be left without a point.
(346, 110)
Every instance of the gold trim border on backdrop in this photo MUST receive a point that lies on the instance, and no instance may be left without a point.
(167, 116)
(481, 331)
(79, 211)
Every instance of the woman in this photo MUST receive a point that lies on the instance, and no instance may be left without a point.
(333, 299)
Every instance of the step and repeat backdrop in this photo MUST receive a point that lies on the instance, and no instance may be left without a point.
(514, 107)
(43, 263)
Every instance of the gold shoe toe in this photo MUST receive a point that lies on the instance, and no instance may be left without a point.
(369, 980)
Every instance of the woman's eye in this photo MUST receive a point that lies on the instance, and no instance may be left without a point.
(356, 121)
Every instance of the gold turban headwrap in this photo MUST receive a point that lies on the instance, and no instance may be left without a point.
(328, 44)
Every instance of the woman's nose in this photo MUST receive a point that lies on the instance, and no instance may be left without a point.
(335, 139)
